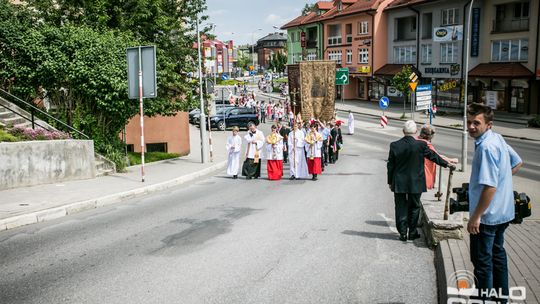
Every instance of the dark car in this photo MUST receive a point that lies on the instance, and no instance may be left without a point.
(230, 117)
(195, 114)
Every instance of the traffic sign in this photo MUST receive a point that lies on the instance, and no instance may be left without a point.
(384, 102)
(413, 85)
(251, 73)
(224, 77)
(342, 76)
(423, 97)
(413, 77)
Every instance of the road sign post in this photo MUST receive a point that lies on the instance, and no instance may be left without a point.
(342, 79)
(142, 82)
(423, 98)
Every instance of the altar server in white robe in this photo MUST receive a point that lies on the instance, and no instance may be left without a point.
(255, 143)
(297, 156)
(350, 123)
(274, 154)
(233, 146)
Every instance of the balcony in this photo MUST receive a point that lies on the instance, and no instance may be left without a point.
(505, 26)
(311, 44)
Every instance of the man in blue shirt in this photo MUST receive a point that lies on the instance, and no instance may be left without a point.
(491, 200)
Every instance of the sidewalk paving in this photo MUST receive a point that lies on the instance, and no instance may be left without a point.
(27, 205)
(451, 121)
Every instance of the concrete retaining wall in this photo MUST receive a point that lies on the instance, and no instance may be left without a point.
(43, 162)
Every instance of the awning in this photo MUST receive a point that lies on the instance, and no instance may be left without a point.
(501, 70)
(389, 70)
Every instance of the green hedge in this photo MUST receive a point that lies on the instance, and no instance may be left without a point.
(534, 122)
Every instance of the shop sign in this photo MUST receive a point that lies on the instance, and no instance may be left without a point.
(364, 69)
(448, 86)
(491, 99)
(475, 35)
(454, 69)
(438, 70)
(448, 33)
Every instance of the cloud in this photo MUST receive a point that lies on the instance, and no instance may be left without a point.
(276, 20)
(216, 13)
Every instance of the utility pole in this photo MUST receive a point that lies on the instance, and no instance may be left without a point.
(465, 133)
(202, 121)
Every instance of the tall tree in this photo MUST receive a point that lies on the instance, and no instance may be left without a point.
(308, 8)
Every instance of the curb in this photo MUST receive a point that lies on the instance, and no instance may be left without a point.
(72, 208)
(436, 125)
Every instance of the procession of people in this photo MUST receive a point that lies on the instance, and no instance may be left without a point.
(306, 147)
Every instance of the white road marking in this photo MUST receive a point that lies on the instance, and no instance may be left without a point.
(389, 222)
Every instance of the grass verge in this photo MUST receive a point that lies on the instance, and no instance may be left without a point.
(135, 158)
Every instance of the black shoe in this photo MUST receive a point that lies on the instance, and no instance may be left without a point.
(235, 176)
(414, 236)
(248, 177)
(403, 237)
(292, 177)
(314, 177)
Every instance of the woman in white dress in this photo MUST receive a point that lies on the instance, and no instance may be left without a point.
(233, 146)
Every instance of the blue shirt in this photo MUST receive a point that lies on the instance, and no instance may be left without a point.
(492, 166)
(325, 132)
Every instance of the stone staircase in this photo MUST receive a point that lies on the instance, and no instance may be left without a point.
(10, 118)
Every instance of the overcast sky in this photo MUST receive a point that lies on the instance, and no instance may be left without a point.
(237, 19)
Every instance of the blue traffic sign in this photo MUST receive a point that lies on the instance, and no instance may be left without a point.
(251, 73)
(384, 102)
(224, 77)
(424, 87)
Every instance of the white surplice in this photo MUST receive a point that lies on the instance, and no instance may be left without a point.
(255, 143)
(297, 156)
(314, 150)
(275, 152)
(350, 123)
(233, 146)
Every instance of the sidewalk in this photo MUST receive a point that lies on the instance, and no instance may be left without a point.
(522, 244)
(28, 205)
(451, 121)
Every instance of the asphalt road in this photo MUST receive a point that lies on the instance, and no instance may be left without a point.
(219, 240)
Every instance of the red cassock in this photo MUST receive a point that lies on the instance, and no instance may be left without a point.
(275, 169)
(314, 165)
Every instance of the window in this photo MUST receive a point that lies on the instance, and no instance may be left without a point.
(510, 50)
(404, 54)
(521, 10)
(363, 28)
(363, 56)
(311, 56)
(335, 55)
(426, 53)
(349, 56)
(348, 32)
(405, 28)
(334, 34)
(427, 26)
(449, 52)
(450, 16)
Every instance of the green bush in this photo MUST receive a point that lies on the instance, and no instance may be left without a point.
(534, 122)
(6, 137)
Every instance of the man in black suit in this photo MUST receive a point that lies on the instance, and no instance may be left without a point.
(407, 179)
(284, 132)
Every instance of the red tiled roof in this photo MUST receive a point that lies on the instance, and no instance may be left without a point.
(389, 69)
(348, 1)
(360, 6)
(502, 70)
(404, 3)
(325, 5)
(295, 22)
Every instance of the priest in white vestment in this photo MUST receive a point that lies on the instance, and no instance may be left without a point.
(297, 156)
(255, 143)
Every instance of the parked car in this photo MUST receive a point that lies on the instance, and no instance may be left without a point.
(196, 113)
(230, 117)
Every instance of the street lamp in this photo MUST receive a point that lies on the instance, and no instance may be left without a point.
(253, 50)
(204, 147)
(465, 97)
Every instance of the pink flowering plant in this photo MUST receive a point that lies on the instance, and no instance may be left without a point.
(38, 134)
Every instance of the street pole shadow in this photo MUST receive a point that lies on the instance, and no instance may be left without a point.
(420, 243)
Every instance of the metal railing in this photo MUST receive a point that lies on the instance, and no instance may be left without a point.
(34, 112)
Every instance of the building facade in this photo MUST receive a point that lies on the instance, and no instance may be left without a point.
(268, 45)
